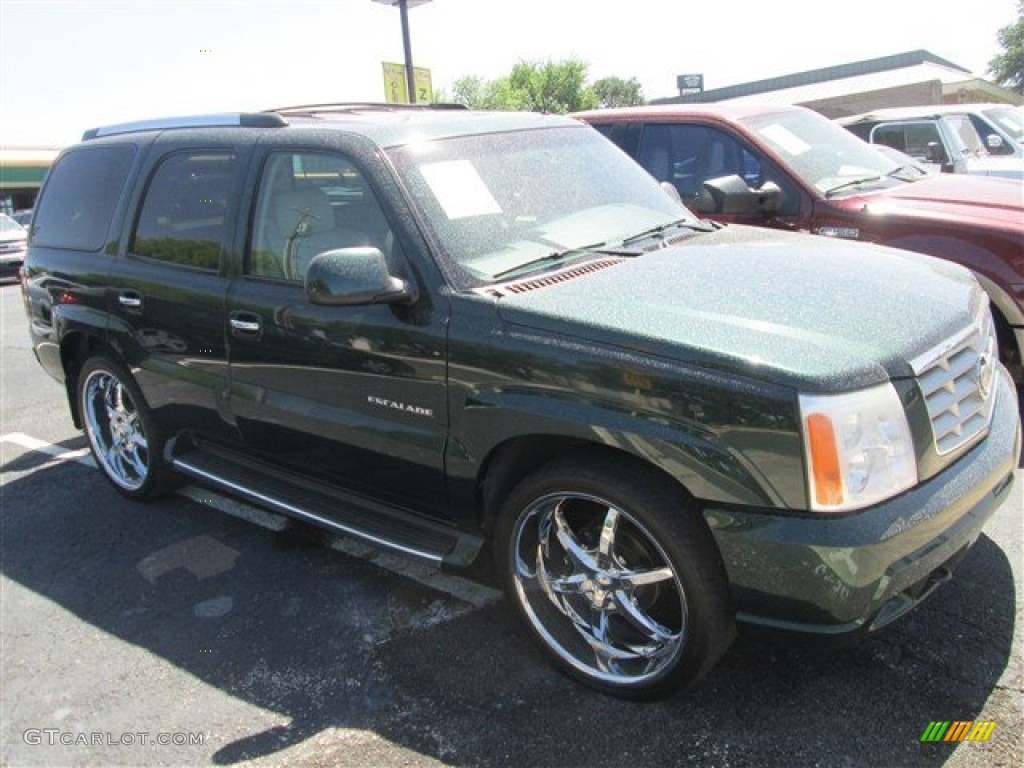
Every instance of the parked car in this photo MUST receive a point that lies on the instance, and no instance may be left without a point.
(999, 126)
(790, 168)
(456, 334)
(12, 247)
(946, 137)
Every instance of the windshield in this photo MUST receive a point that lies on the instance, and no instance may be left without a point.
(822, 153)
(1009, 119)
(503, 203)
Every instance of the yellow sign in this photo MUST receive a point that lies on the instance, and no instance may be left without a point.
(395, 91)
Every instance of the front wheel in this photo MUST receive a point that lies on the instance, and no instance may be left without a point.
(122, 435)
(615, 575)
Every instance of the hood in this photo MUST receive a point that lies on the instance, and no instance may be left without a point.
(812, 313)
(951, 198)
(12, 236)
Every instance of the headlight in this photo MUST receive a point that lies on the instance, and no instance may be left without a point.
(858, 448)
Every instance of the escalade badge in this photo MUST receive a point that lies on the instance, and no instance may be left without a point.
(416, 410)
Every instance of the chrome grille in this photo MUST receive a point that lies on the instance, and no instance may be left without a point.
(957, 380)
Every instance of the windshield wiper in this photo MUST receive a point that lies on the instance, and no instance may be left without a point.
(852, 183)
(662, 228)
(556, 256)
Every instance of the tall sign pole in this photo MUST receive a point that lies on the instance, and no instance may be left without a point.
(403, 7)
(410, 78)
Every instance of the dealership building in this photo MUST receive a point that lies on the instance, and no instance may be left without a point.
(21, 172)
(907, 79)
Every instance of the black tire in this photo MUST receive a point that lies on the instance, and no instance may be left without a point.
(615, 574)
(125, 441)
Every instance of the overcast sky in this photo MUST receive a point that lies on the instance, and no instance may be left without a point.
(66, 66)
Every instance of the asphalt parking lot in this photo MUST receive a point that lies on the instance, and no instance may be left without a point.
(196, 631)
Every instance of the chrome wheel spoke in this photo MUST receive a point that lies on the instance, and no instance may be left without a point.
(639, 578)
(118, 389)
(605, 652)
(107, 387)
(138, 440)
(569, 585)
(577, 552)
(657, 634)
(134, 461)
(606, 547)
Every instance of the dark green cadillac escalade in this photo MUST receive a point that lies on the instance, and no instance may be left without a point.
(455, 334)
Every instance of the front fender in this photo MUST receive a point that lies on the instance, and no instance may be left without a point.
(722, 445)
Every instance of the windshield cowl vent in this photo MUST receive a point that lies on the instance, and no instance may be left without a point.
(552, 278)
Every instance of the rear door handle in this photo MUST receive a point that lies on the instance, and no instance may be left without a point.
(129, 300)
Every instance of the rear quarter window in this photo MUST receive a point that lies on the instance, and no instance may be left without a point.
(79, 197)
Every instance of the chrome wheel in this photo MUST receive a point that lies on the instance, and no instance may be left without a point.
(598, 588)
(115, 429)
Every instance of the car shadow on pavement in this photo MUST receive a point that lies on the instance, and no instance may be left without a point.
(330, 642)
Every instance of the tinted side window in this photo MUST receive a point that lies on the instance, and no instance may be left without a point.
(183, 215)
(914, 139)
(626, 135)
(307, 204)
(687, 155)
(862, 130)
(81, 191)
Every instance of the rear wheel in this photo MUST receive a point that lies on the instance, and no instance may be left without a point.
(122, 435)
(615, 576)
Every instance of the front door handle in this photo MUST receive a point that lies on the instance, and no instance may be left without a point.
(245, 324)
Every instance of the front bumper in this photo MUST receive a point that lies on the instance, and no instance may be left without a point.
(861, 571)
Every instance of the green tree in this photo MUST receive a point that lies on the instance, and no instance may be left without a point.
(552, 86)
(1008, 67)
(616, 92)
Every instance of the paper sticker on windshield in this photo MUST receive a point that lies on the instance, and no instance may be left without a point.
(459, 189)
(785, 138)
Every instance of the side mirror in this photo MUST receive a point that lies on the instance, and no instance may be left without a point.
(352, 276)
(730, 194)
(994, 141)
(936, 154)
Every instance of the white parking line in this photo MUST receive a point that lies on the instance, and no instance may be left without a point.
(41, 446)
(470, 592)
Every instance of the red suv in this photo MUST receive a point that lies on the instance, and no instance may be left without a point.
(791, 168)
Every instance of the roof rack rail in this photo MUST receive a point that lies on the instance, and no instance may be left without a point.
(357, 106)
(243, 119)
